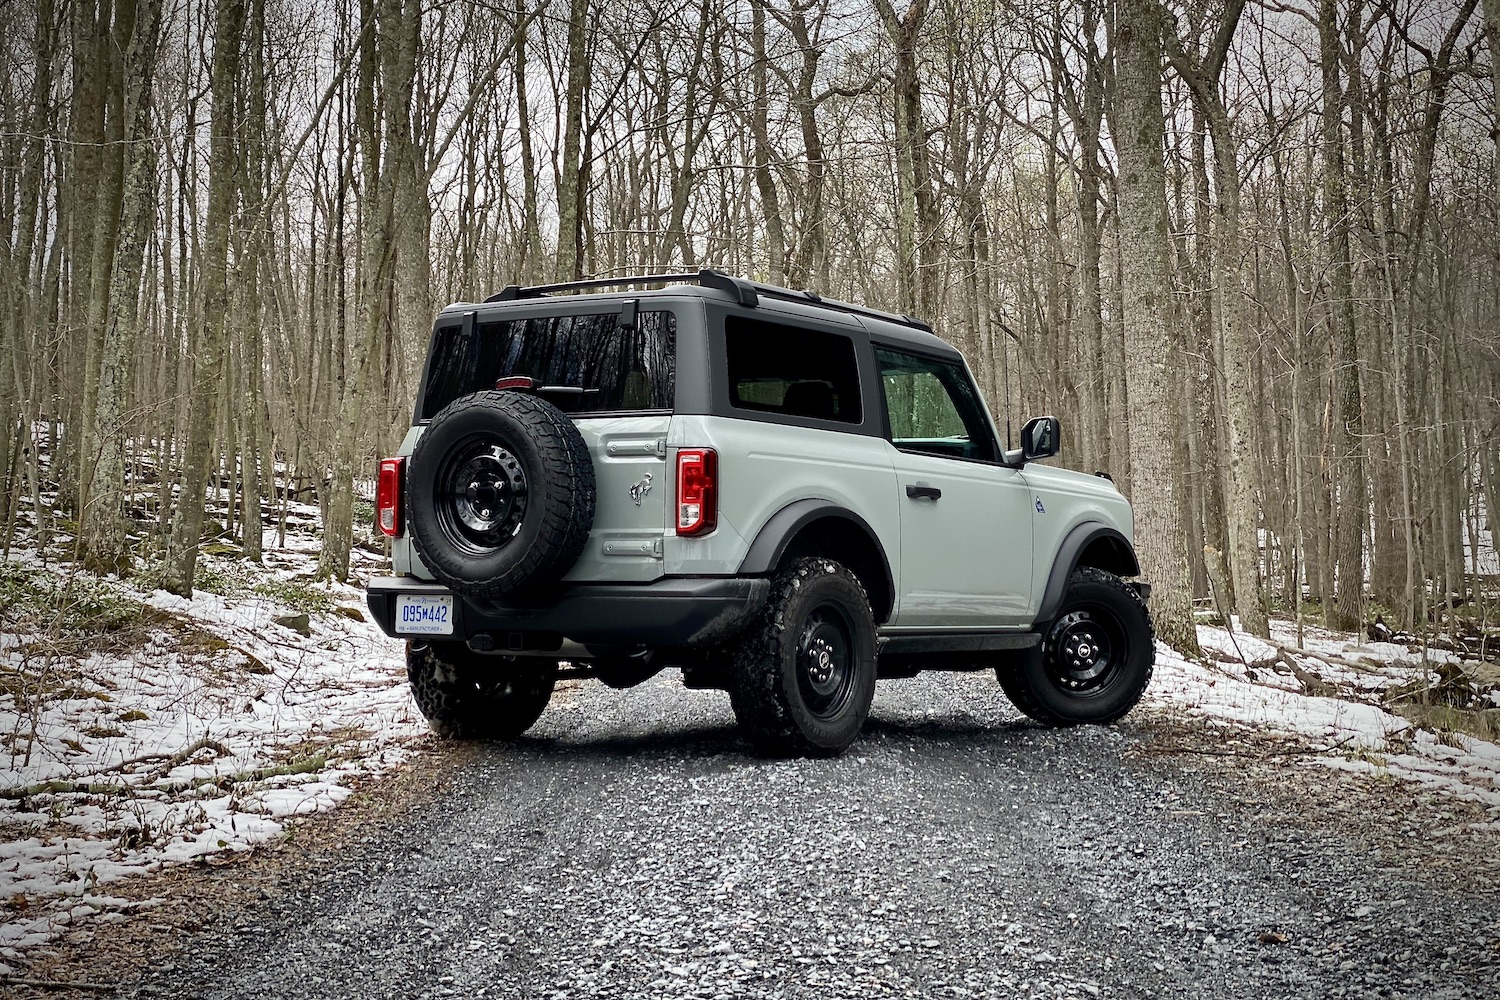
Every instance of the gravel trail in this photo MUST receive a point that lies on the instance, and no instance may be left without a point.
(632, 848)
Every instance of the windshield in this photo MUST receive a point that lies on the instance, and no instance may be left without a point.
(618, 369)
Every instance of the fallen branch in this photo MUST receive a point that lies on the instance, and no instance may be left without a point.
(1330, 658)
(182, 756)
(306, 765)
(61, 788)
(59, 984)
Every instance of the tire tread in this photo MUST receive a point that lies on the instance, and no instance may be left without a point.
(756, 689)
(564, 528)
(1019, 688)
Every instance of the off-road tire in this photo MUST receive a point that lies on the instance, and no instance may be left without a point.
(552, 512)
(473, 696)
(781, 709)
(1054, 687)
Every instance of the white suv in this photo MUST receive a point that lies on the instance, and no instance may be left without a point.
(783, 496)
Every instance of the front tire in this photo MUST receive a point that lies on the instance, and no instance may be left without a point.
(1096, 658)
(472, 696)
(804, 675)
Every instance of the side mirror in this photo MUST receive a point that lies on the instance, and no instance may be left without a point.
(1040, 438)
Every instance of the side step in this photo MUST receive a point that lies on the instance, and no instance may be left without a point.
(904, 643)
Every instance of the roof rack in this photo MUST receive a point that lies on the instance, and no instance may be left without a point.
(746, 292)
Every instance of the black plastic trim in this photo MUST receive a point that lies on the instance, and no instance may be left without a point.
(747, 293)
(773, 538)
(960, 641)
(1066, 562)
(675, 611)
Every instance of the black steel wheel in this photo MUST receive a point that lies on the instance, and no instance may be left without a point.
(1088, 648)
(803, 676)
(500, 494)
(481, 495)
(827, 666)
(1095, 660)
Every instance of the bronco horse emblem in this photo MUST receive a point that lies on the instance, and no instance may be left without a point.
(639, 490)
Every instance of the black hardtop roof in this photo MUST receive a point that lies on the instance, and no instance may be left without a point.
(711, 284)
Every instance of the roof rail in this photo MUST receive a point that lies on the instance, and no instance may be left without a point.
(746, 292)
(512, 292)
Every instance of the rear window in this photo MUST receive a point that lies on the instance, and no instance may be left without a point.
(617, 369)
(792, 371)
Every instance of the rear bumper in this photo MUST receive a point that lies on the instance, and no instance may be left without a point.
(677, 611)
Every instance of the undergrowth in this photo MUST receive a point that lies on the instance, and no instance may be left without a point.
(298, 594)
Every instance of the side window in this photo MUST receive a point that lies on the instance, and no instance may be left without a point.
(792, 371)
(933, 407)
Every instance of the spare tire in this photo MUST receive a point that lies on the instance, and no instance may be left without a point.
(500, 494)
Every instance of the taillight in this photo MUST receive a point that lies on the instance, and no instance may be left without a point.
(388, 495)
(697, 490)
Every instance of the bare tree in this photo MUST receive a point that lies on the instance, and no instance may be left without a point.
(1146, 279)
(208, 346)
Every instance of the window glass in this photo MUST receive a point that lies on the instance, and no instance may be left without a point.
(933, 407)
(617, 369)
(793, 371)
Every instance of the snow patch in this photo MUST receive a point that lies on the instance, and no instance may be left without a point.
(95, 767)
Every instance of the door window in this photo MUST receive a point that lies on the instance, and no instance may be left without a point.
(933, 407)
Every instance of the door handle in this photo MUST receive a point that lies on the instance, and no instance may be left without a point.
(921, 491)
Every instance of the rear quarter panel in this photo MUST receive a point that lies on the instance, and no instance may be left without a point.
(763, 467)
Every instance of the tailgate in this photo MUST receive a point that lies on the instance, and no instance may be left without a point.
(630, 519)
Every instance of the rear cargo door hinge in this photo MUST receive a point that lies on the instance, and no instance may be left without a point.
(657, 447)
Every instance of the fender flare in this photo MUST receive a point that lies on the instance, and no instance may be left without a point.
(1080, 537)
(773, 538)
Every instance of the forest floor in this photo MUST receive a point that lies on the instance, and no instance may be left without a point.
(146, 735)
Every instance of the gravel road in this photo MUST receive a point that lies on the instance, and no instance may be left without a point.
(632, 848)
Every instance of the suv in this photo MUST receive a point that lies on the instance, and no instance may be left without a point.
(781, 495)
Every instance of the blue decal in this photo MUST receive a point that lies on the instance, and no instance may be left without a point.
(1039, 508)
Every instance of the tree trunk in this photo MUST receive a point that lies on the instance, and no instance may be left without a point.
(1492, 37)
(916, 210)
(1238, 358)
(204, 392)
(249, 320)
(529, 265)
(103, 528)
(570, 188)
(1351, 502)
(765, 181)
(1156, 487)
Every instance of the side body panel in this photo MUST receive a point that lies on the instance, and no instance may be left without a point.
(1062, 500)
(966, 556)
(763, 467)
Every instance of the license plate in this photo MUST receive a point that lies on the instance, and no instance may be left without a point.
(424, 614)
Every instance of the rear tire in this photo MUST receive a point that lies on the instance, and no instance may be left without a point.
(1096, 657)
(803, 677)
(472, 696)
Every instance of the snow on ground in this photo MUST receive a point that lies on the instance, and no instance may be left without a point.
(1348, 723)
(202, 734)
(196, 727)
